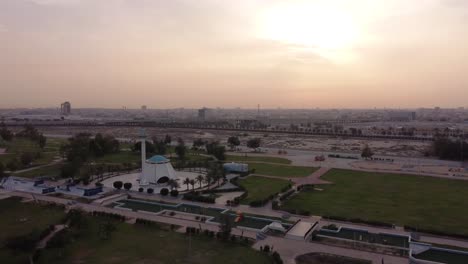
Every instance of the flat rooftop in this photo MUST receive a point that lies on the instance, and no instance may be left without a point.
(300, 229)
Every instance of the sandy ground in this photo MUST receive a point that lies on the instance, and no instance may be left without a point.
(280, 141)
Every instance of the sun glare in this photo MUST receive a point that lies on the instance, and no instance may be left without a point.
(327, 30)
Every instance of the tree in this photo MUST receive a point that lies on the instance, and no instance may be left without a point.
(187, 182)
(2, 170)
(164, 191)
(127, 186)
(5, 134)
(233, 142)
(160, 148)
(174, 193)
(140, 189)
(200, 179)
(216, 150)
(366, 152)
(42, 141)
(118, 185)
(149, 190)
(173, 184)
(13, 164)
(180, 149)
(26, 158)
(254, 143)
(198, 143)
(192, 182)
(167, 140)
(225, 226)
(150, 148)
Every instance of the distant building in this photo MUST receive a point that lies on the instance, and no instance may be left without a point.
(203, 113)
(143, 107)
(402, 116)
(65, 108)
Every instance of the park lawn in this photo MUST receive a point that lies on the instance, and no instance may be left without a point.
(48, 171)
(120, 157)
(260, 188)
(5, 158)
(279, 170)
(236, 158)
(54, 144)
(142, 244)
(21, 145)
(419, 201)
(19, 218)
(46, 158)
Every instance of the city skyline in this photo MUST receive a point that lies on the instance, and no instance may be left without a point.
(289, 54)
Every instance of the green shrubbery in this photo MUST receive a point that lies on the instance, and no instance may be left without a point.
(198, 198)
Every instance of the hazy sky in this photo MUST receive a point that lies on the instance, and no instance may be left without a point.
(194, 53)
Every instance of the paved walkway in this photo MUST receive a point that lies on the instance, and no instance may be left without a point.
(290, 249)
(43, 242)
(314, 178)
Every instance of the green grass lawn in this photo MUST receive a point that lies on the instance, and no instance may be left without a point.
(20, 219)
(139, 244)
(120, 157)
(281, 170)
(50, 171)
(54, 144)
(260, 188)
(257, 159)
(422, 202)
(20, 145)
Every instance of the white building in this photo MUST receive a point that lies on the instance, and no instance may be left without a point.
(156, 170)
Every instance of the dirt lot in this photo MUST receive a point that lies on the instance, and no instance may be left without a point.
(283, 141)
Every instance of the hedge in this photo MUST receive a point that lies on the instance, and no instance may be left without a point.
(434, 232)
(284, 196)
(359, 221)
(198, 198)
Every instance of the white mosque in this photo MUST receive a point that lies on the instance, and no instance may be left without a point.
(155, 172)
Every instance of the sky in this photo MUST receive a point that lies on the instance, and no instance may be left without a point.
(223, 53)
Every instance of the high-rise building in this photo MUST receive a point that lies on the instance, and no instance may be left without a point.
(65, 108)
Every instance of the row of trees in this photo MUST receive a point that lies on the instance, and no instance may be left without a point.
(81, 148)
(447, 149)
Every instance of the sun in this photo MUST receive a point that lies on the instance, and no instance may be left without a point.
(327, 30)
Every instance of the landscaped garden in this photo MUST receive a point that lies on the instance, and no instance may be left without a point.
(261, 188)
(421, 202)
(100, 240)
(21, 225)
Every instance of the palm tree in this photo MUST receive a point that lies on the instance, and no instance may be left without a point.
(187, 182)
(173, 184)
(200, 179)
(192, 182)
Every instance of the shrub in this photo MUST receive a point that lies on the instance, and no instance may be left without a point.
(274, 205)
(150, 190)
(284, 196)
(174, 193)
(127, 186)
(198, 198)
(141, 189)
(164, 191)
(118, 185)
(276, 258)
